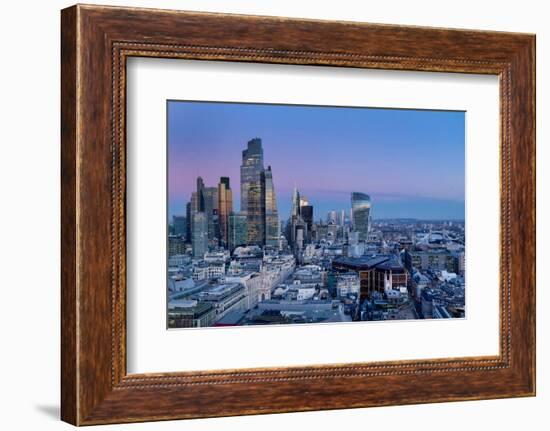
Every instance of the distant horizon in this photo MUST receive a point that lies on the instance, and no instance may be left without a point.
(411, 162)
(170, 218)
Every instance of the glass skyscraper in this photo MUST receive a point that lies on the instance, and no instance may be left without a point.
(188, 221)
(258, 201)
(297, 228)
(211, 211)
(253, 191)
(237, 231)
(271, 214)
(197, 197)
(251, 168)
(225, 207)
(200, 234)
(361, 205)
(205, 200)
(307, 216)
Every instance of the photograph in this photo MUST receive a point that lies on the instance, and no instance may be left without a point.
(302, 214)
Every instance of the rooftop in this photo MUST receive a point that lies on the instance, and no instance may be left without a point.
(232, 318)
(182, 308)
(219, 291)
(385, 262)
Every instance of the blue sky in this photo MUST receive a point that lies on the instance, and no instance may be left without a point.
(411, 162)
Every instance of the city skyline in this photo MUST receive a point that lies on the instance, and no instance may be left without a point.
(244, 253)
(219, 125)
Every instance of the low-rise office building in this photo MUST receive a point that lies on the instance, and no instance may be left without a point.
(190, 314)
(224, 298)
(375, 272)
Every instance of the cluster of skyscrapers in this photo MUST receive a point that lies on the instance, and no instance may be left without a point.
(302, 230)
(246, 268)
(211, 220)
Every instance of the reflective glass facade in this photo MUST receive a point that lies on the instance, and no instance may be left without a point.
(361, 204)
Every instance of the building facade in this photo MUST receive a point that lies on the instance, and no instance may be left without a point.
(224, 298)
(297, 227)
(438, 260)
(361, 205)
(376, 273)
(347, 284)
(258, 201)
(199, 234)
(188, 221)
(190, 314)
(176, 245)
(211, 211)
(253, 191)
(255, 213)
(251, 167)
(237, 230)
(271, 214)
(307, 216)
(225, 207)
(179, 224)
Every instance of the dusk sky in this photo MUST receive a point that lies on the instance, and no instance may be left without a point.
(411, 162)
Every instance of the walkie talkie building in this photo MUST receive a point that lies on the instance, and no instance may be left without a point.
(361, 205)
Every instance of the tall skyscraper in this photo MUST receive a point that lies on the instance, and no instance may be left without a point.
(211, 210)
(306, 212)
(253, 191)
(296, 228)
(271, 213)
(200, 234)
(258, 201)
(196, 205)
(255, 214)
(188, 221)
(237, 231)
(307, 216)
(295, 211)
(361, 206)
(197, 197)
(225, 207)
(251, 167)
(205, 200)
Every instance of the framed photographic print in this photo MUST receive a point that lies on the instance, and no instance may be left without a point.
(329, 214)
